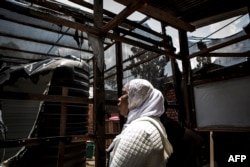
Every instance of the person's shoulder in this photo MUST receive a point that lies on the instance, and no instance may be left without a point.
(141, 127)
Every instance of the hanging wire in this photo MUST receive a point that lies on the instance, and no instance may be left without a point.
(57, 40)
(217, 30)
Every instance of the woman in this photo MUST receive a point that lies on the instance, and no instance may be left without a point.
(143, 141)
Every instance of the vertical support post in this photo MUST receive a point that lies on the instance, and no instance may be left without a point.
(119, 73)
(211, 141)
(177, 79)
(99, 92)
(63, 121)
(184, 52)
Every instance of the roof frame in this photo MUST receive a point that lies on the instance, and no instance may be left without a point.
(161, 15)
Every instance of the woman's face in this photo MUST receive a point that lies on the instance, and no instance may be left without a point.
(123, 103)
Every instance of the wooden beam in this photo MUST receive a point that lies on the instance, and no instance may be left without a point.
(211, 146)
(142, 37)
(147, 47)
(63, 8)
(134, 56)
(99, 92)
(79, 15)
(28, 142)
(49, 98)
(162, 16)
(141, 62)
(56, 19)
(244, 54)
(25, 51)
(126, 21)
(220, 17)
(131, 7)
(62, 130)
(219, 46)
(131, 29)
(30, 39)
(96, 32)
(186, 75)
(119, 75)
(223, 129)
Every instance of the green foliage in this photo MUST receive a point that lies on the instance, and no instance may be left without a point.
(201, 61)
(152, 70)
(111, 81)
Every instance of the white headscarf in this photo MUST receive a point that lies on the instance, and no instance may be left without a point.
(143, 100)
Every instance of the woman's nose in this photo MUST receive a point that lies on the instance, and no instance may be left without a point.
(119, 101)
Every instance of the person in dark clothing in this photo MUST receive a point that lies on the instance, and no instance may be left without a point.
(184, 141)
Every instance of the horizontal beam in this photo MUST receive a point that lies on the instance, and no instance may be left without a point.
(46, 16)
(219, 46)
(223, 129)
(168, 51)
(162, 16)
(48, 98)
(44, 140)
(213, 54)
(130, 8)
(132, 24)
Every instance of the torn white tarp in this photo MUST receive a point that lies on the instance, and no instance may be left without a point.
(11, 74)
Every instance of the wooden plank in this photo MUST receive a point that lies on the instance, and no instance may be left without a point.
(211, 144)
(162, 16)
(186, 116)
(76, 25)
(48, 98)
(25, 51)
(140, 37)
(142, 62)
(28, 142)
(119, 75)
(30, 39)
(99, 92)
(126, 21)
(220, 17)
(168, 51)
(213, 54)
(219, 46)
(131, 7)
(130, 29)
(222, 129)
(63, 8)
(56, 19)
(63, 122)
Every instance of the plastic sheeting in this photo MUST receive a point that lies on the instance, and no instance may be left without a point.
(223, 104)
(11, 74)
(32, 119)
